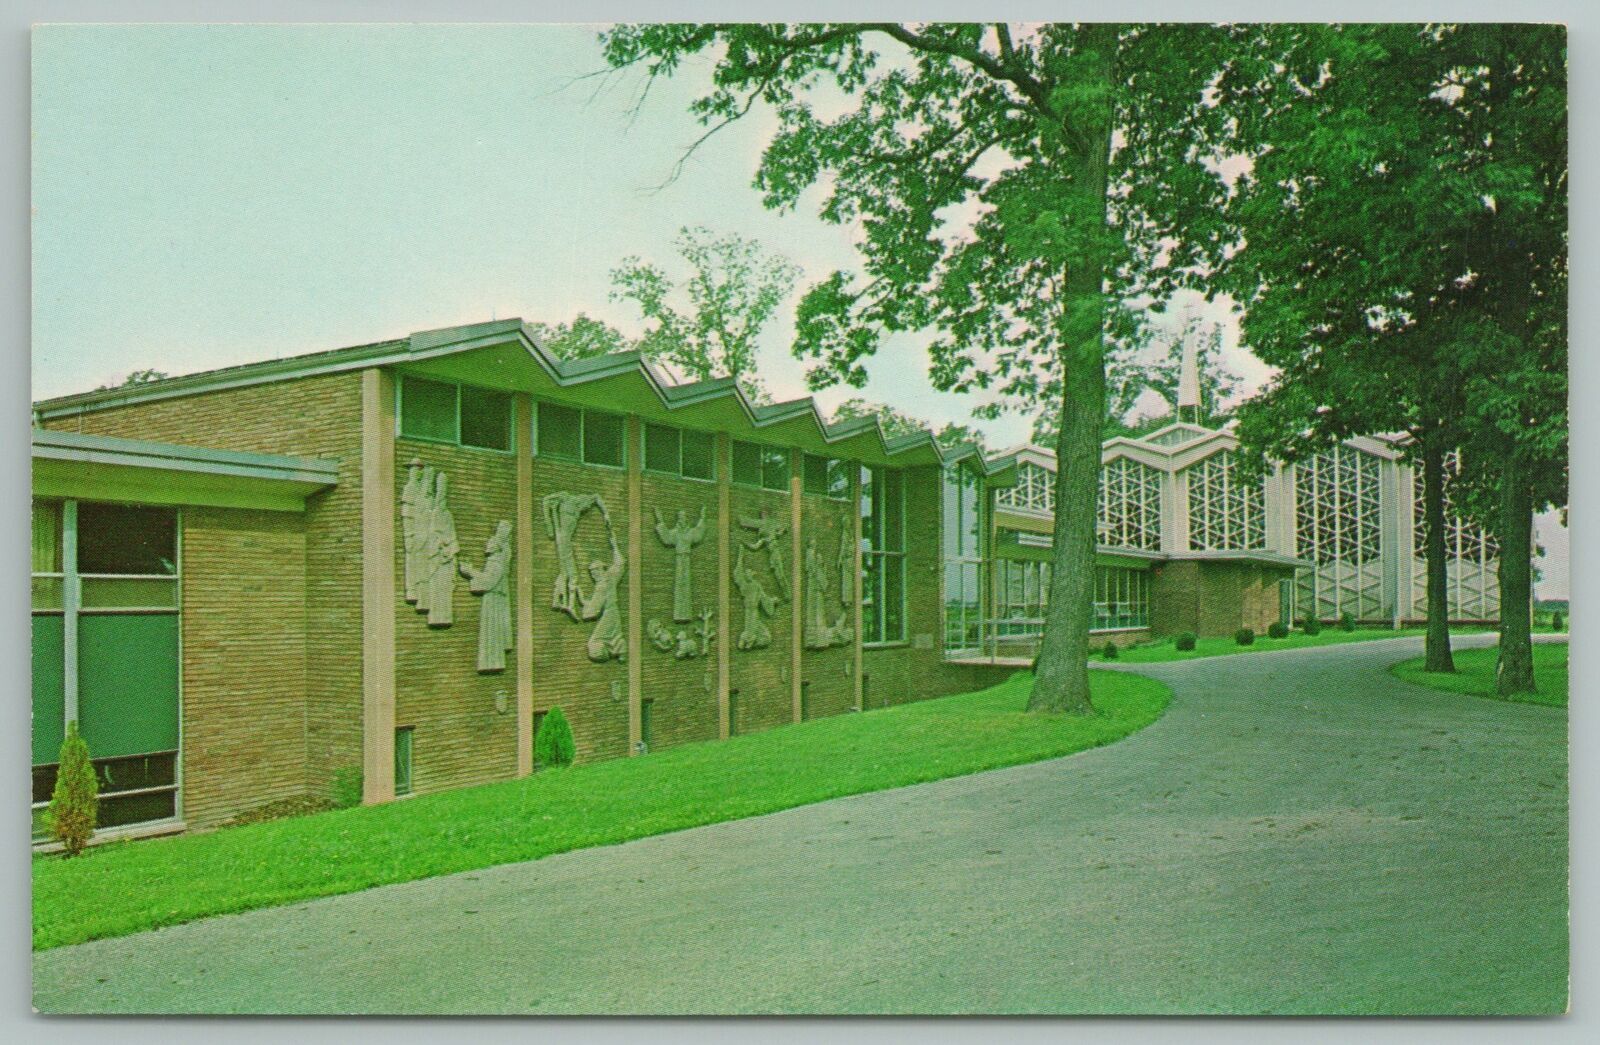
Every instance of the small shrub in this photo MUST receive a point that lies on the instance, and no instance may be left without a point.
(75, 803)
(1347, 621)
(1278, 630)
(1185, 641)
(1110, 652)
(1245, 637)
(348, 787)
(1557, 621)
(1311, 626)
(553, 746)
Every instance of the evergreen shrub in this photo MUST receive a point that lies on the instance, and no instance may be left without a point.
(1311, 626)
(553, 746)
(1185, 641)
(75, 803)
(1110, 652)
(1347, 621)
(1244, 637)
(1278, 630)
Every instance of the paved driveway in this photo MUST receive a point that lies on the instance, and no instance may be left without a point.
(1300, 833)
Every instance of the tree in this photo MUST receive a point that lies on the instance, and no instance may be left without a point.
(1012, 190)
(136, 378)
(75, 801)
(582, 338)
(1400, 250)
(707, 325)
(896, 424)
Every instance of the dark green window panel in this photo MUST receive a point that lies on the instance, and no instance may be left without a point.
(136, 809)
(485, 418)
(127, 539)
(894, 598)
(699, 455)
(128, 682)
(663, 449)
(774, 469)
(428, 409)
(403, 739)
(146, 593)
(49, 692)
(746, 463)
(560, 431)
(894, 533)
(47, 537)
(838, 479)
(815, 480)
(602, 439)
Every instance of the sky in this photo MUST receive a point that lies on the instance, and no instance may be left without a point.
(205, 196)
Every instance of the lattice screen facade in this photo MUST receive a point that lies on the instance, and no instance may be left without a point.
(1224, 514)
(1130, 505)
(1338, 523)
(1034, 492)
(1471, 557)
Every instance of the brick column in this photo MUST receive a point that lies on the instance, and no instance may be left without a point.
(522, 444)
(377, 586)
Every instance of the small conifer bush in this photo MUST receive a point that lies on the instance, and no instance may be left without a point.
(1278, 630)
(1557, 621)
(1110, 652)
(75, 803)
(553, 746)
(1245, 637)
(1347, 621)
(1311, 626)
(1185, 641)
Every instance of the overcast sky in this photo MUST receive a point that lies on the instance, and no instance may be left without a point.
(211, 195)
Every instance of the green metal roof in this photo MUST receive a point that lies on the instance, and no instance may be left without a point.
(502, 353)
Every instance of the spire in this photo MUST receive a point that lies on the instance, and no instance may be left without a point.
(1189, 382)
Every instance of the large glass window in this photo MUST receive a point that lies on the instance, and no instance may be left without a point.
(774, 468)
(1337, 527)
(1129, 505)
(127, 540)
(590, 436)
(746, 463)
(676, 451)
(883, 559)
(962, 534)
(603, 438)
(485, 418)
(1121, 598)
(826, 477)
(1224, 514)
(1034, 491)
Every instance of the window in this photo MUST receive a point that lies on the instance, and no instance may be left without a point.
(570, 434)
(603, 439)
(774, 468)
(883, 559)
(485, 418)
(1338, 527)
(746, 463)
(963, 560)
(1034, 491)
(826, 477)
(127, 539)
(1129, 505)
(47, 567)
(1121, 598)
(679, 452)
(452, 413)
(402, 760)
(1224, 514)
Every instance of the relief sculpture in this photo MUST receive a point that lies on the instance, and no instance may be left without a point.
(757, 603)
(681, 538)
(562, 512)
(436, 583)
(769, 537)
(493, 584)
(819, 633)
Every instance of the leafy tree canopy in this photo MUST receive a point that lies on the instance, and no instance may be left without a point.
(895, 423)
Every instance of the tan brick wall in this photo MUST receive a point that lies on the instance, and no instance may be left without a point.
(828, 675)
(244, 669)
(461, 733)
(1213, 597)
(761, 677)
(594, 697)
(310, 417)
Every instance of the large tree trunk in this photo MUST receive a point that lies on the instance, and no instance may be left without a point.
(1437, 644)
(1062, 679)
(1514, 671)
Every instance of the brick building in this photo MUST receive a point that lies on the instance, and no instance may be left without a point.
(384, 564)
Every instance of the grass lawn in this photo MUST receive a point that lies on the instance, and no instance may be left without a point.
(1164, 650)
(1474, 674)
(126, 887)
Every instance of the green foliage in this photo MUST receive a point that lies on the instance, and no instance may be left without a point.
(706, 325)
(1557, 621)
(130, 888)
(136, 378)
(75, 802)
(553, 747)
(581, 339)
(1110, 651)
(1245, 637)
(896, 424)
(1278, 630)
(1311, 626)
(1347, 621)
(1185, 641)
(348, 787)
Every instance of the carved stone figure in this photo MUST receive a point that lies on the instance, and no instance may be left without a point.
(769, 536)
(562, 512)
(660, 635)
(817, 633)
(415, 504)
(493, 582)
(437, 583)
(607, 640)
(754, 634)
(685, 643)
(681, 538)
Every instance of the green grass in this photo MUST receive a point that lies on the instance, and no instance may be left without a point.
(1474, 674)
(126, 887)
(1164, 650)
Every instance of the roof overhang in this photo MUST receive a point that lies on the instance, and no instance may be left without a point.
(101, 468)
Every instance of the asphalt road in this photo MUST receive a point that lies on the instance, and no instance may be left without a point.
(1301, 833)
